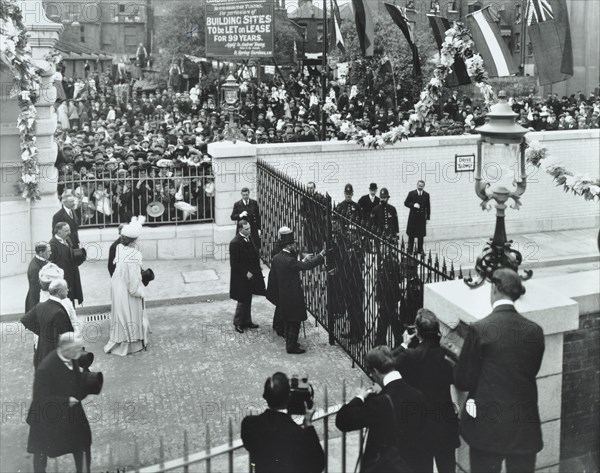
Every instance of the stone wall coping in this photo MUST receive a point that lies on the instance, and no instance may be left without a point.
(454, 301)
(583, 287)
(227, 149)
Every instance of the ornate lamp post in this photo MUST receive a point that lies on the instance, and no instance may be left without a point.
(230, 90)
(501, 147)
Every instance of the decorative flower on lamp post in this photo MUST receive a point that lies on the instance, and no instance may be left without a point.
(500, 150)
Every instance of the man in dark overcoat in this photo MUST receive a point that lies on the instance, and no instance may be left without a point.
(272, 290)
(498, 365)
(42, 254)
(68, 214)
(274, 441)
(57, 422)
(63, 257)
(247, 209)
(48, 320)
(313, 221)
(369, 201)
(425, 368)
(420, 211)
(246, 276)
(287, 269)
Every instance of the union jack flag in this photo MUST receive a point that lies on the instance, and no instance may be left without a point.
(539, 11)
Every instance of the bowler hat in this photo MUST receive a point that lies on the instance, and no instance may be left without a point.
(91, 383)
(372, 186)
(147, 276)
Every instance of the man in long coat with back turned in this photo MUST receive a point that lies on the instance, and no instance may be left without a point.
(63, 257)
(289, 289)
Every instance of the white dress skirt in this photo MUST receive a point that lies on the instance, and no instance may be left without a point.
(129, 325)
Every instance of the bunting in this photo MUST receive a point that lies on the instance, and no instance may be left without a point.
(459, 75)
(364, 26)
(399, 17)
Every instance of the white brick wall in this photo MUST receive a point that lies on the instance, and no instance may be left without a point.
(455, 207)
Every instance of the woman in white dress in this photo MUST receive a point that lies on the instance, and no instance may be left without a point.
(129, 326)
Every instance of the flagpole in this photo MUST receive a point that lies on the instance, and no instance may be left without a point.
(523, 35)
(324, 72)
(394, 84)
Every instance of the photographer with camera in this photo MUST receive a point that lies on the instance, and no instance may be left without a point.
(426, 368)
(392, 410)
(275, 442)
(57, 422)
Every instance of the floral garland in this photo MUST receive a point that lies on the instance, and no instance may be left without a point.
(579, 184)
(458, 42)
(15, 52)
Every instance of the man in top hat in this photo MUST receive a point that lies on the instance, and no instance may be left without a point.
(68, 214)
(287, 285)
(420, 210)
(385, 217)
(42, 255)
(58, 388)
(246, 276)
(369, 201)
(247, 209)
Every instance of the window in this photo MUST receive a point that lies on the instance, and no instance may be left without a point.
(320, 33)
(517, 43)
(121, 8)
(304, 28)
(131, 38)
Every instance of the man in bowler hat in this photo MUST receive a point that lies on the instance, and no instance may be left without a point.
(369, 201)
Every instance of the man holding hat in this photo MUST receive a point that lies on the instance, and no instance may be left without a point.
(385, 217)
(59, 387)
(290, 301)
(369, 201)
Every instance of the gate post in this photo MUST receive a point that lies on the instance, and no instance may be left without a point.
(234, 167)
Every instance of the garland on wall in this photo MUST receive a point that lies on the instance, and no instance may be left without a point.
(459, 42)
(15, 52)
(579, 184)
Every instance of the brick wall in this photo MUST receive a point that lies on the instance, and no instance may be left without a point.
(580, 431)
(455, 207)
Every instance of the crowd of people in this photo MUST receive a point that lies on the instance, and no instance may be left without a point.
(122, 148)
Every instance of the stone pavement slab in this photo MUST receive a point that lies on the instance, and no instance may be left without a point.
(197, 370)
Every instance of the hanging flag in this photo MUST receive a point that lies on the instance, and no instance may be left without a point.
(399, 17)
(337, 40)
(364, 26)
(497, 58)
(550, 35)
(459, 75)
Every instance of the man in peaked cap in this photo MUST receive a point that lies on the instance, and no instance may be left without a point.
(385, 216)
(349, 261)
(369, 201)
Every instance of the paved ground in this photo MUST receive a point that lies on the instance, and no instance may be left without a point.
(197, 370)
(195, 279)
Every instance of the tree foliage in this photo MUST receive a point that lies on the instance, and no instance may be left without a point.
(389, 43)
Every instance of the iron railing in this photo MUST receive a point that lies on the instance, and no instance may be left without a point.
(372, 288)
(112, 197)
(223, 457)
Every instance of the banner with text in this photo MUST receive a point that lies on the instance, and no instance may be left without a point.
(243, 30)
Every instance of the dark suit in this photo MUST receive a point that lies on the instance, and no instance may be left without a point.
(426, 369)
(367, 206)
(273, 293)
(253, 217)
(112, 252)
(33, 276)
(243, 258)
(417, 218)
(55, 428)
(48, 320)
(376, 414)
(291, 296)
(62, 256)
(277, 444)
(63, 216)
(385, 219)
(498, 365)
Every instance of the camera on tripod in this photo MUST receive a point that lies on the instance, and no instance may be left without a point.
(301, 391)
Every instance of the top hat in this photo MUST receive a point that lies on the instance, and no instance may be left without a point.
(147, 276)
(287, 238)
(85, 360)
(79, 255)
(372, 186)
(91, 383)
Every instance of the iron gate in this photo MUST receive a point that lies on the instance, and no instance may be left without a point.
(371, 288)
